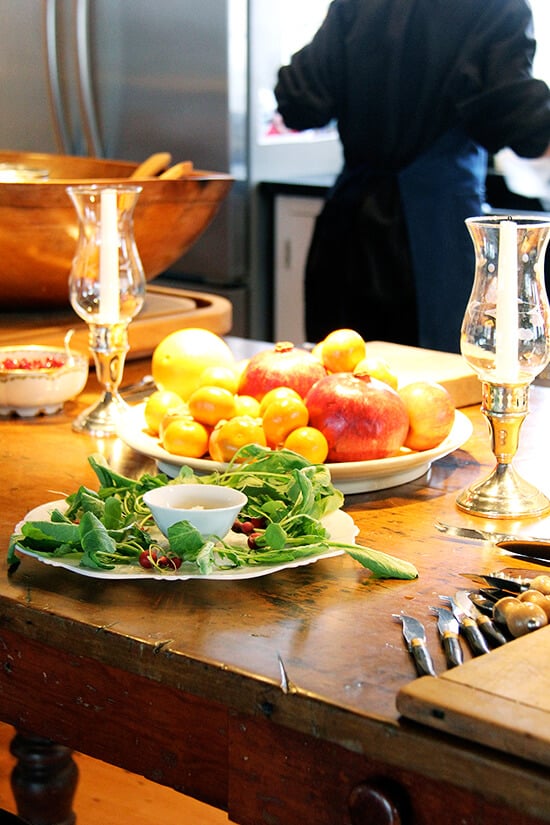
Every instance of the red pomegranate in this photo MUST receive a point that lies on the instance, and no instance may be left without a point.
(361, 418)
(283, 366)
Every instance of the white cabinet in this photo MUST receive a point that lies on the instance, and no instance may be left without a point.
(294, 221)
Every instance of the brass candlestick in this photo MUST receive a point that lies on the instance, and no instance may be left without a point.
(505, 339)
(109, 345)
(504, 493)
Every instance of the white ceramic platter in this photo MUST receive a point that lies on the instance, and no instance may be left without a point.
(349, 476)
(340, 525)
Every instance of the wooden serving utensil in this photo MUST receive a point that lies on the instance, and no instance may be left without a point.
(178, 170)
(152, 165)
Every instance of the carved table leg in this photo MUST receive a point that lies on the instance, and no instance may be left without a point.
(43, 780)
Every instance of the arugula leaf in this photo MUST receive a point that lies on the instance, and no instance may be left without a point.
(381, 565)
(205, 558)
(185, 540)
(112, 518)
(96, 542)
(47, 535)
(107, 477)
(84, 500)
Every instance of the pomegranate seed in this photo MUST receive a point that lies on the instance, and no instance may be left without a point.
(48, 363)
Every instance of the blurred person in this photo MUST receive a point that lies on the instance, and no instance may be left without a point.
(421, 92)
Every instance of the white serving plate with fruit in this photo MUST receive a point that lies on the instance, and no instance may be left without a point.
(349, 476)
(339, 404)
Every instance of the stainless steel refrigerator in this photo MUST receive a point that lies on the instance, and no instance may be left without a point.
(126, 78)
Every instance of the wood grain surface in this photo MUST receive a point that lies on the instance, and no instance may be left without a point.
(205, 655)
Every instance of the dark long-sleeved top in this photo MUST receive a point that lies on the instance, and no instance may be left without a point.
(398, 74)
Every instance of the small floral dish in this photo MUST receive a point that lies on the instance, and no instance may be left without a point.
(36, 379)
(210, 508)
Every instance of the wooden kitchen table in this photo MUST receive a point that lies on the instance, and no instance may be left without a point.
(271, 698)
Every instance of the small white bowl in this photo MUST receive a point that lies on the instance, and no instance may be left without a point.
(210, 508)
(29, 389)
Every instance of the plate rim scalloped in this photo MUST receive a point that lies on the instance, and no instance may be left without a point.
(344, 523)
(131, 430)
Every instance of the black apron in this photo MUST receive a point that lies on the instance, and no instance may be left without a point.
(390, 254)
(359, 272)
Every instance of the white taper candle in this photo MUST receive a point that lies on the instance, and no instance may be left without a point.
(507, 338)
(108, 260)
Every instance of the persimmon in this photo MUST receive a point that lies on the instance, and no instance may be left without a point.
(187, 437)
(210, 404)
(229, 436)
(281, 417)
(158, 405)
(309, 443)
(342, 350)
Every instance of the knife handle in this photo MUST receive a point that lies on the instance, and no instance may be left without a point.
(474, 637)
(422, 659)
(452, 649)
(491, 633)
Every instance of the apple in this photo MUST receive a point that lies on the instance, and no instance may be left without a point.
(361, 418)
(431, 414)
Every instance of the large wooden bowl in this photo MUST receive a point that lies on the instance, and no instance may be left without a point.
(39, 227)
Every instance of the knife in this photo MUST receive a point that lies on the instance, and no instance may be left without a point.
(529, 547)
(485, 623)
(448, 631)
(415, 638)
(468, 627)
(507, 584)
(484, 599)
(478, 534)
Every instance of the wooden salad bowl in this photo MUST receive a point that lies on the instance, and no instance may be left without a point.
(39, 226)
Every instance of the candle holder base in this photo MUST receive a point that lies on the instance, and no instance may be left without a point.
(503, 494)
(100, 420)
(109, 345)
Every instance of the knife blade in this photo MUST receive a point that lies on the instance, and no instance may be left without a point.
(477, 534)
(507, 584)
(484, 600)
(468, 627)
(485, 623)
(415, 638)
(448, 629)
(524, 547)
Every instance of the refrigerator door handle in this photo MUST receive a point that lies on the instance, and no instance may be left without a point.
(85, 83)
(57, 109)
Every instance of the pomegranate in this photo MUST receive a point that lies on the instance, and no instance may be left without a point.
(361, 418)
(283, 366)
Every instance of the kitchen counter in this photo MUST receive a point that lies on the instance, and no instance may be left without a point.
(272, 698)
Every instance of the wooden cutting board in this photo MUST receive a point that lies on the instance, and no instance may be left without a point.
(447, 368)
(165, 310)
(500, 699)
